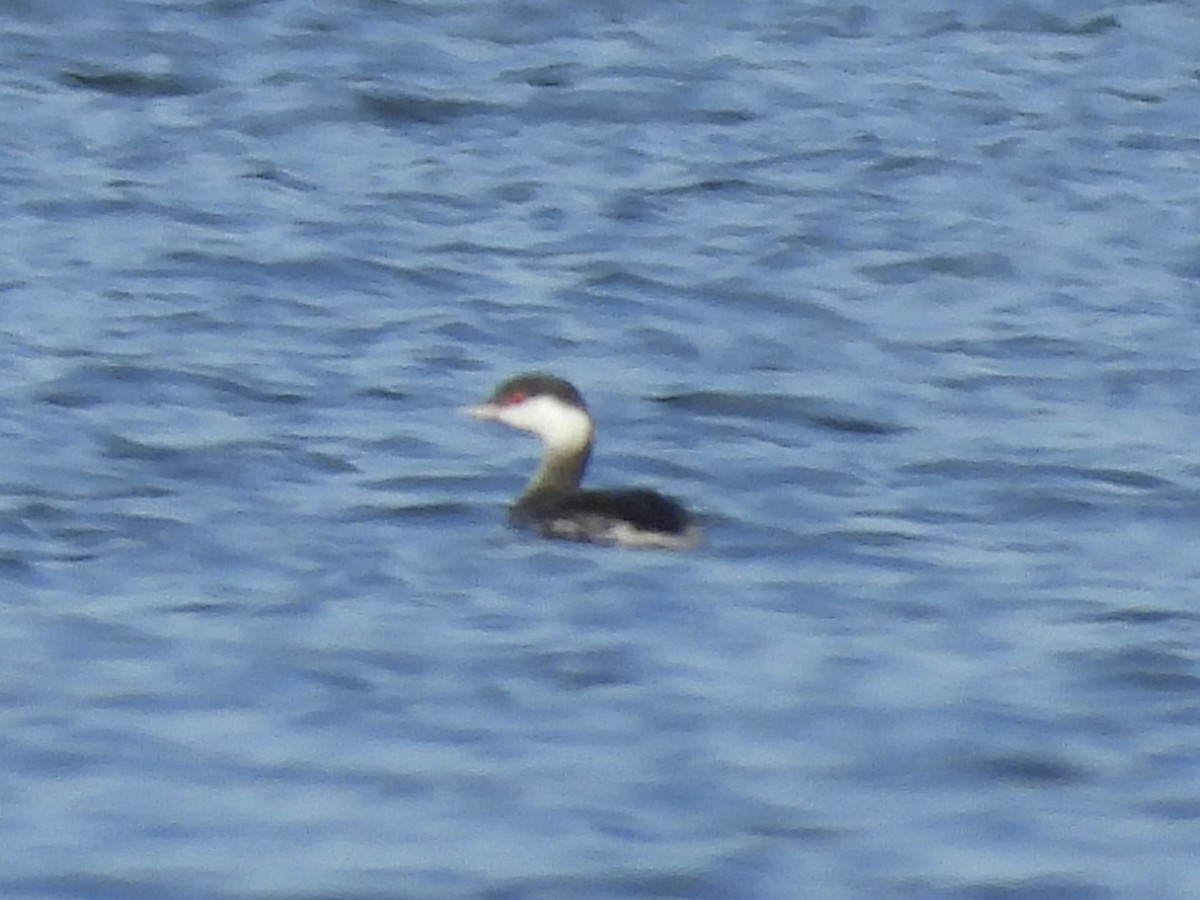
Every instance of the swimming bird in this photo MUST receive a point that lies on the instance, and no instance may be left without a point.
(553, 504)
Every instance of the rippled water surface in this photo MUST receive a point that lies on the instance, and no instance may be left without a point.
(903, 299)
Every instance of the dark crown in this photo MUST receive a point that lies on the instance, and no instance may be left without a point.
(534, 384)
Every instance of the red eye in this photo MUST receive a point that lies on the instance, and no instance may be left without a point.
(512, 399)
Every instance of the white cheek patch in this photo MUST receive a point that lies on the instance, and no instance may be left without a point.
(558, 424)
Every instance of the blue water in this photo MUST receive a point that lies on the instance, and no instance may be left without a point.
(903, 299)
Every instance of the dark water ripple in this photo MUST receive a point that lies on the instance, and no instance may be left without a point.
(901, 299)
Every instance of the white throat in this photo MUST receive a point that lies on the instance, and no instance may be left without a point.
(563, 428)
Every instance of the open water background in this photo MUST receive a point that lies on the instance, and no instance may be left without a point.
(904, 298)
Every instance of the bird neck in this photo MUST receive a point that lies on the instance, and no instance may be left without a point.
(561, 468)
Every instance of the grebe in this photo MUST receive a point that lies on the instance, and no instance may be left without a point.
(553, 504)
